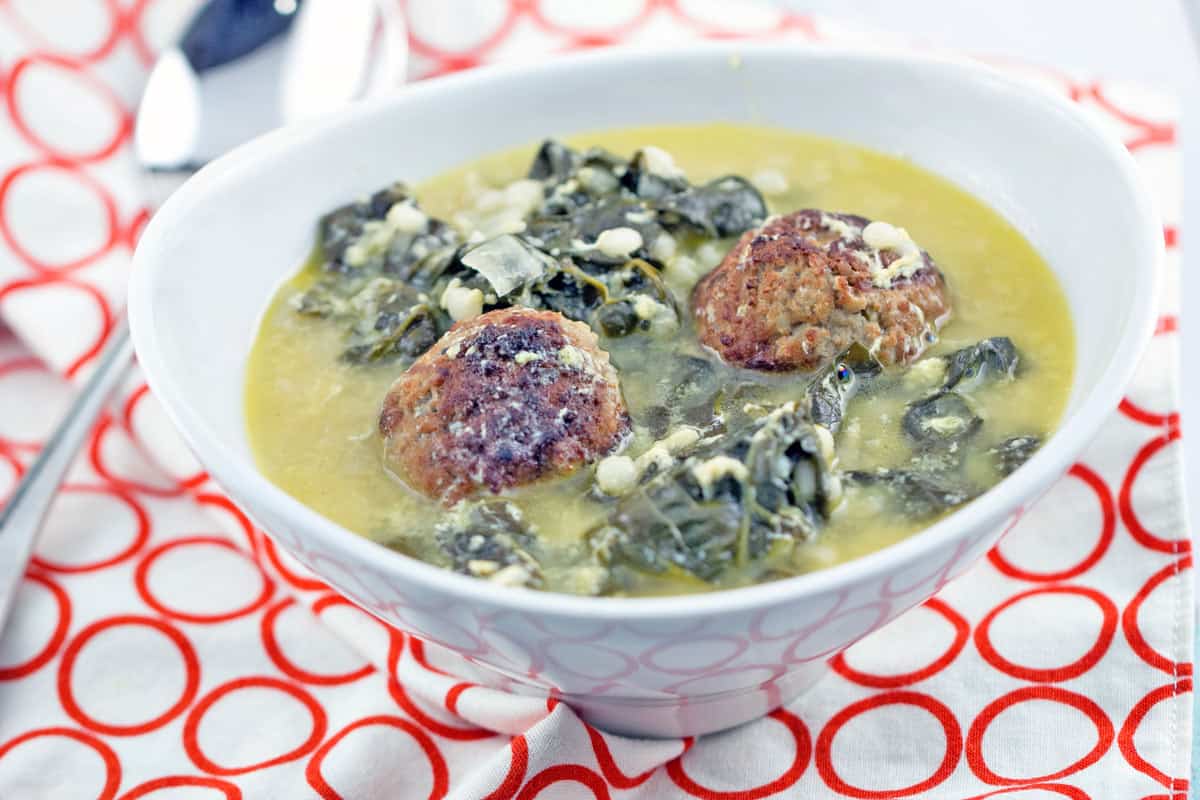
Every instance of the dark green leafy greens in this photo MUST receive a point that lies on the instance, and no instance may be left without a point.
(688, 386)
(741, 499)
(385, 265)
(378, 282)
(944, 419)
(722, 207)
(554, 162)
(343, 226)
(1013, 452)
(917, 493)
(489, 539)
(940, 423)
(988, 360)
(748, 496)
(835, 386)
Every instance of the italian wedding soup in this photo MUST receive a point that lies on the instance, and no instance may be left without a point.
(658, 360)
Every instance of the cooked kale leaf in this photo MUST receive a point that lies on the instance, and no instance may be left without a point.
(424, 258)
(918, 493)
(341, 227)
(554, 161)
(944, 419)
(575, 232)
(694, 382)
(1012, 453)
(722, 207)
(990, 359)
(640, 179)
(746, 497)
(490, 539)
(947, 417)
(938, 424)
(595, 191)
(834, 387)
(385, 264)
(378, 276)
(394, 321)
(617, 319)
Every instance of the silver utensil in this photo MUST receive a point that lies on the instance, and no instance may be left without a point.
(241, 68)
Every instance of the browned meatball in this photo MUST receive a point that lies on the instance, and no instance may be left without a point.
(799, 290)
(504, 399)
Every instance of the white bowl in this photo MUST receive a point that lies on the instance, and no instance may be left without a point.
(213, 256)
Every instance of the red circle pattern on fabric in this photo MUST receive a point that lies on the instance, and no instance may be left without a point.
(437, 765)
(1134, 720)
(140, 536)
(974, 748)
(944, 716)
(803, 752)
(286, 666)
(191, 727)
(962, 631)
(1133, 633)
(126, 35)
(1108, 527)
(112, 767)
(1108, 629)
(62, 603)
(142, 581)
(66, 691)
(230, 791)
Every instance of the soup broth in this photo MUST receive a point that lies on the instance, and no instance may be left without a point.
(313, 416)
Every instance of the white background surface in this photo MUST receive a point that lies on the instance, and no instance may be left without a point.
(1143, 40)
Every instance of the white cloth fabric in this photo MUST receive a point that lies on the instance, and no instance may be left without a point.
(161, 645)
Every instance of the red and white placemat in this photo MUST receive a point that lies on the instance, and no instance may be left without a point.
(162, 647)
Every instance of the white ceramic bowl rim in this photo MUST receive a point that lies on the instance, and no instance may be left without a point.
(1050, 462)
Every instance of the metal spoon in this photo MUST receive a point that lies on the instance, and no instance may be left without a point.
(241, 68)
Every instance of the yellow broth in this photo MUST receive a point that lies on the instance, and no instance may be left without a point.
(312, 419)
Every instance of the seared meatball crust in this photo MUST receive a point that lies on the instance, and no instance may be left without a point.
(796, 292)
(502, 400)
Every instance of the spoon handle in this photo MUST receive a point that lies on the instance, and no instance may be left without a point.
(26, 508)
